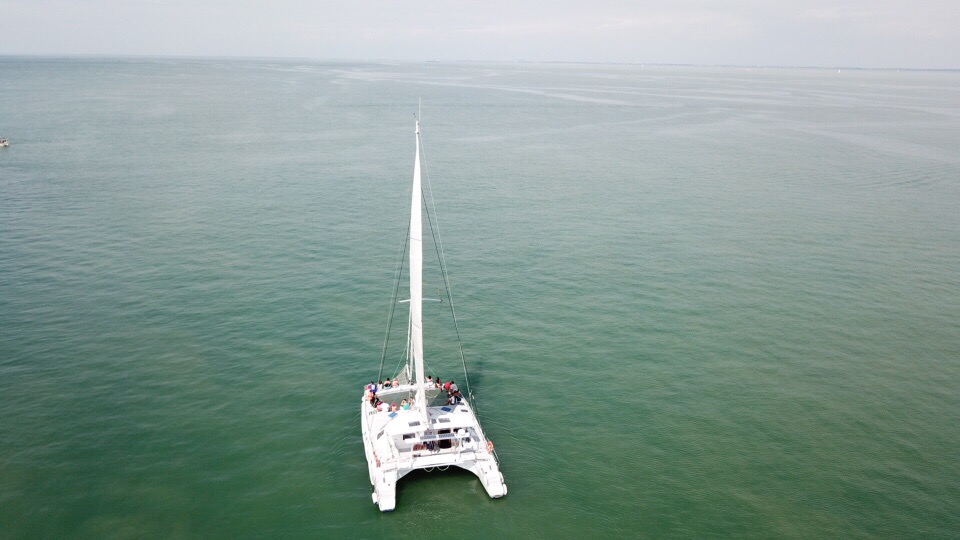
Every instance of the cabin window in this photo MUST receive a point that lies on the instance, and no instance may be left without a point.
(409, 436)
(444, 420)
(415, 424)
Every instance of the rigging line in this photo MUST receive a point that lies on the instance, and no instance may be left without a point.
(405, 358)
(438, 245)
(396, 369)
(393, 301)
(437, 329)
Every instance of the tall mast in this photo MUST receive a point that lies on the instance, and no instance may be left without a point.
(416, 279)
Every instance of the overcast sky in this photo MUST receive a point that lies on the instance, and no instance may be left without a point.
(864, 33)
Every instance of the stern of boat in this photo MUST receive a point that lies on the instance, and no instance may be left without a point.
(490, 476)
(385, 491)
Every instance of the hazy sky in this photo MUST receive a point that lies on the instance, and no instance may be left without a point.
(866, 33)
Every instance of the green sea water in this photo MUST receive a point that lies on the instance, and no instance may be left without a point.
(695, 302)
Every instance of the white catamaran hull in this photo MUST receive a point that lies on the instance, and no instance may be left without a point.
(394, 449)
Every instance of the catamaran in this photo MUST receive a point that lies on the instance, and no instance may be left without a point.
(438, 427)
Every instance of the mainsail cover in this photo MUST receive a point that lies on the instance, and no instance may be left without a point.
(416, 280)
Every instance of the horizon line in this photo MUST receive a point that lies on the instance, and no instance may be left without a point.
(471, 61)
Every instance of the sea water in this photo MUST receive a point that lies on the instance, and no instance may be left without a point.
(693, 301)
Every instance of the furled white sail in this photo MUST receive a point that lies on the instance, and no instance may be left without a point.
(416, 279)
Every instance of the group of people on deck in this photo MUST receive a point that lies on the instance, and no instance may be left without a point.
(370, 394)
(383, 406)
(453, 392)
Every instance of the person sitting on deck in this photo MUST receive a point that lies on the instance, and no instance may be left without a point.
(455, 398)
(453, 387)
(429, 380)
(388, 383)
(373, 400)
(393, 407)
(396, 382)
(446, 385)
(404, 405)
